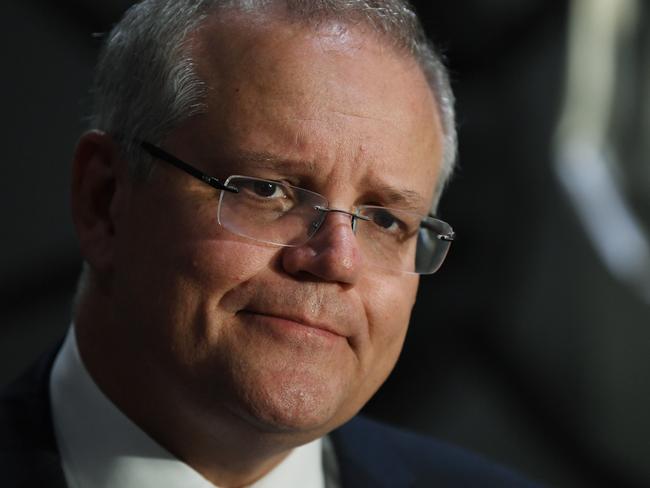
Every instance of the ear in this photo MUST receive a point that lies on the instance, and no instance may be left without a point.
(98, 197)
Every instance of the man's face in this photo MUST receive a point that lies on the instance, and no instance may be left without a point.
(287, 339)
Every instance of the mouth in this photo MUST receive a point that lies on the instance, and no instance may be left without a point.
(292, 324)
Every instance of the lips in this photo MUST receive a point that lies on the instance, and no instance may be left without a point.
(293, 319)
(305, 308)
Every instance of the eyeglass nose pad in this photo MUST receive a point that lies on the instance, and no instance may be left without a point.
(316, 223)
(323, 211)
(353, 223)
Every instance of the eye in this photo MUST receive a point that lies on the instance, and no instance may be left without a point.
(385, 220)
(396, 224)
(267, 189)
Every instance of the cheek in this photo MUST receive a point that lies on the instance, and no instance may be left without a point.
(225, 262)
(388, 306)
(178, 268)
(389, 301)
(206, 274)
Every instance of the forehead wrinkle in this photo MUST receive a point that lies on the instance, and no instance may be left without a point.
(349, 114)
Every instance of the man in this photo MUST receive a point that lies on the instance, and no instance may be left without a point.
(252, 208)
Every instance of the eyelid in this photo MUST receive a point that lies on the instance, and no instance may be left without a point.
(396, 211)
(277, 181)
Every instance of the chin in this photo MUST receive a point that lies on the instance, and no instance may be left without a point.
(294, 403)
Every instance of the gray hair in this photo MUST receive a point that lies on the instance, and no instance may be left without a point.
(146, 82)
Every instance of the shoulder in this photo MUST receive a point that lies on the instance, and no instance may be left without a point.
(28, 451)
(24, 407)
(429, 461)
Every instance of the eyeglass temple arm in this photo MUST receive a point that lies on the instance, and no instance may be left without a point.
(158, 153)
(451, 236)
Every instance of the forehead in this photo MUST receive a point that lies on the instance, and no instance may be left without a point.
(337, 99)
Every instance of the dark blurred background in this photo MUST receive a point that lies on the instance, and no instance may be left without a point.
(531, 344)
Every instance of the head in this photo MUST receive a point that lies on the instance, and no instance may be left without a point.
(147, 83)
(346, 99)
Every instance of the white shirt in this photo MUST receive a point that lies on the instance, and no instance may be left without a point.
(101, 447)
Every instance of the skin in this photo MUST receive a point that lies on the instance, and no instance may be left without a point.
(246, 349)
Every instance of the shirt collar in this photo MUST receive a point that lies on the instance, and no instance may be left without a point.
(102, 448)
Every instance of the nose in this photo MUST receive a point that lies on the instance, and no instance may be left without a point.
(332, 254)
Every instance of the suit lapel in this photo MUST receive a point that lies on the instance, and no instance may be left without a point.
(28, 444)
(366, 459)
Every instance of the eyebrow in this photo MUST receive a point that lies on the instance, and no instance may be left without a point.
(408, 199)
(267, 160)
(390, 195)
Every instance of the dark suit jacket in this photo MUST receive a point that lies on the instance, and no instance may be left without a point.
(369, 454)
